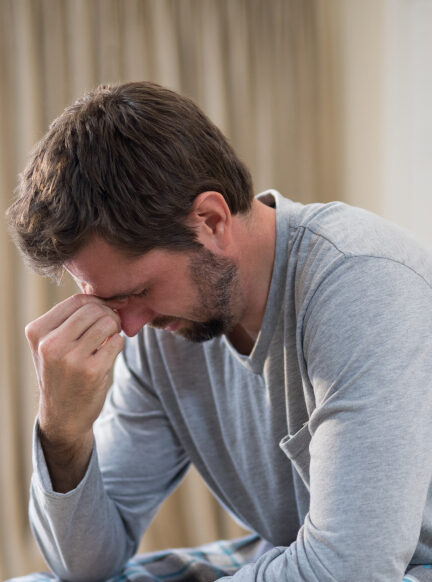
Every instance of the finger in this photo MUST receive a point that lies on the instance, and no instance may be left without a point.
(74, 328)
(98, 333)
(110, 350)
(71, 335)
(57, 315)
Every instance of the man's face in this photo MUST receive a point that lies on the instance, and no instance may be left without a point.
(214, 279)
(194, 294)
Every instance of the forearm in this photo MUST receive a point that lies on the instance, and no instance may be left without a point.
(81, 534)
(66, 462)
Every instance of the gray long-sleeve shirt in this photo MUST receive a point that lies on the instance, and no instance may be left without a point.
(320, 440)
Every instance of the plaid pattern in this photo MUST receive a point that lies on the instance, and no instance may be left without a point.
(419, 574)
(202, 564)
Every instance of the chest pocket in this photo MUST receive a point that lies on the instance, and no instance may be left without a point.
(296, 448)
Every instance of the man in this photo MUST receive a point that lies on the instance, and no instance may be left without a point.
(283, 349)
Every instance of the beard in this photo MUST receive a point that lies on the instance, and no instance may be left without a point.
(216, 281)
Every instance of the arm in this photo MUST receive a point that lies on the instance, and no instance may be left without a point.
(73, 347)
(88, 532)
(368, 351)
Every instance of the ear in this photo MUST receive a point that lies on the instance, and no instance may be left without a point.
(211, 219)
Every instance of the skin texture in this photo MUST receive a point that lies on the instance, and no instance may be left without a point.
(193, 293)
(215, 280)
(221, 288)
(74, 346)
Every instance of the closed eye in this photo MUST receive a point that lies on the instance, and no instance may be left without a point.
(123, 297)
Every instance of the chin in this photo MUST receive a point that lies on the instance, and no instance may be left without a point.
(202, 332)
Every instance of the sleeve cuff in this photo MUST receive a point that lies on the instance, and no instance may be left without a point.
(40, 468)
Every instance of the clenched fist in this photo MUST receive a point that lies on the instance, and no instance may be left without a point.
(74, 346)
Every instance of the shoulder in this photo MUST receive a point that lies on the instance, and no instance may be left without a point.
(323, 238)
(355, 232)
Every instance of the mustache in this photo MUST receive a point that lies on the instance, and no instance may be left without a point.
(162, 321)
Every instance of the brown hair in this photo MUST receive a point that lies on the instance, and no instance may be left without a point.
(124, 162)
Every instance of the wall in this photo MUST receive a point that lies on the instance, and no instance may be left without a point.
(385, 99)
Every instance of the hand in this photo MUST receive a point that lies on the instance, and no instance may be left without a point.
(73, 346)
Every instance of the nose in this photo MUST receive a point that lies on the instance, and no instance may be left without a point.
(134, 319)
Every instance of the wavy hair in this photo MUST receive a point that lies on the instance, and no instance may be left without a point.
(124, 162)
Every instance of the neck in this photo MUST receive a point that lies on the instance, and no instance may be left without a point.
(258, 252)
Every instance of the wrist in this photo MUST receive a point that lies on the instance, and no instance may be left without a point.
(66, 459)
(62, 440)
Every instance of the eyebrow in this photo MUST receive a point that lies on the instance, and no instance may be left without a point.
(123, 295)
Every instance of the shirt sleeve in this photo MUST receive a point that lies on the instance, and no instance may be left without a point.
(367, 346)
(90, 532)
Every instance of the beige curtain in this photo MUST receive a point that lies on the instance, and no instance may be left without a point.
(264, 72)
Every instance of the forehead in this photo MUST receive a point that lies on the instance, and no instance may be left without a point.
(103, 270)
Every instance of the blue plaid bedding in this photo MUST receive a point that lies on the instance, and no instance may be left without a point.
(418, 574)
(202, 564)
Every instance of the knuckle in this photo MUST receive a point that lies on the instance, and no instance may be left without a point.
(104, 326)
(77, 301)
(117, 343)
(110, 312)
(92, 310)
(30, 332)
(46, 348)
(83, 301)
(97, 311)
(108, 323)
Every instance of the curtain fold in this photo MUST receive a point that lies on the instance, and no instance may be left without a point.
(263, 71)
